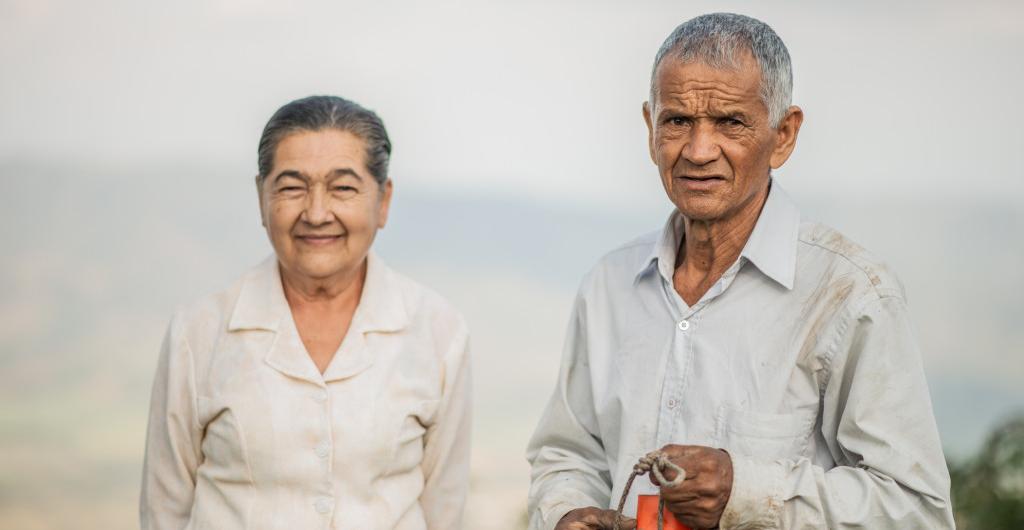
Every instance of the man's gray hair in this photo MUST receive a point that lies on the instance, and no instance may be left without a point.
(718, 39)
(316, 113)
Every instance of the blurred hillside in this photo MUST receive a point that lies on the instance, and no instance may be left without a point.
(988, 488)
(97, 258)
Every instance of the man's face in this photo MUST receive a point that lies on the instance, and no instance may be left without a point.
(710, 136)
(320, 204)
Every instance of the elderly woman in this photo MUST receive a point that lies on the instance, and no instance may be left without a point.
(322, 389)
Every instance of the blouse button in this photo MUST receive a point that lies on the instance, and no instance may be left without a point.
(322, 505)
(320, 396)
(323, 449)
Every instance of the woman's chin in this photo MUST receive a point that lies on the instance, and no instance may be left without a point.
(322, 267)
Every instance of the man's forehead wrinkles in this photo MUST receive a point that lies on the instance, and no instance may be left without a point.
(715, 89)
(703, 100)
(704, 96)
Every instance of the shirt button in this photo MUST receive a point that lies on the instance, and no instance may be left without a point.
(683, 325)
(671, 403)
(322, 505)
(323, 449)
(320, 396)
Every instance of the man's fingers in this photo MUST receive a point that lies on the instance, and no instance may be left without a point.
(678, 497)
(693, 510)
(606, 521)
(693, 517)
(591, 518)
(671, 474)
(597, 519)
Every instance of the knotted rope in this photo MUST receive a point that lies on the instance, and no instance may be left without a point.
(653, 462)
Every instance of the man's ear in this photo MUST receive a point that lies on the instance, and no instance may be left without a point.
(787, 131)
(385, 203)
(650, 131)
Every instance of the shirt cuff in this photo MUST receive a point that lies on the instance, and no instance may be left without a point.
(549, 517)
(756, 499)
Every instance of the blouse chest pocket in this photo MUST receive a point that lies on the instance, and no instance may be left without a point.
(408, 422)
(223, 448)
(764, 435)
(394, 409)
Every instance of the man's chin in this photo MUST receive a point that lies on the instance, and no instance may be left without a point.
(701, 208)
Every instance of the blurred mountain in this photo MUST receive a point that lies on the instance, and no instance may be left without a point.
(96, 259)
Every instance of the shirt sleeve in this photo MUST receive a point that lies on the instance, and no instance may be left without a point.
(173, 439)
(447, 442)
(878, 423)
(569, 467)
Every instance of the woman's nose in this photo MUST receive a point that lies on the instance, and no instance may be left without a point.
(317, 211)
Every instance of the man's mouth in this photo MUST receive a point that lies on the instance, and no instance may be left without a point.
(701, 177)
(700, 182)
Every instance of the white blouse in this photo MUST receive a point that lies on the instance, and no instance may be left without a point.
(245, 432)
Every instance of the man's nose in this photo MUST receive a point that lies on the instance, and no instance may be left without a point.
(702, 147)
(317, 210)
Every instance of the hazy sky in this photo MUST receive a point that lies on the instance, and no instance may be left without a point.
(128, 134)
(526, 98)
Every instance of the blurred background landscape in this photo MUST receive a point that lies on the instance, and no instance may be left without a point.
(128, 135)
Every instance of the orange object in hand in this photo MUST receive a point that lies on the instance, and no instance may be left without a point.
(647, 515)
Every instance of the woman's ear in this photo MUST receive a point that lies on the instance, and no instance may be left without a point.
(385, 203)
(259, 200)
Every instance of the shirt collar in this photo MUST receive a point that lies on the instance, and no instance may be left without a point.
(663, 255)
(771, 246)
(773, 243)
(261, 303)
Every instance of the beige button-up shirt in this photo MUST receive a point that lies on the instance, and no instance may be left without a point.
(246, 433)
(800, 361)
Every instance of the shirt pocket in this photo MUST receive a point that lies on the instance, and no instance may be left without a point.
(763, 435)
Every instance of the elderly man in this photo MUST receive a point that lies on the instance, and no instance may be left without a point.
(766, 355)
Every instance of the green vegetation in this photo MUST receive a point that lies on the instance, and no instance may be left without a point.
(988, 489)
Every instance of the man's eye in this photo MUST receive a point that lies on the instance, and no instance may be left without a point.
(291, 188)
(732, 122)
(344, 188)
(677, 121)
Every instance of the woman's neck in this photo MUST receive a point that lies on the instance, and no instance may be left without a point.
(337, 292)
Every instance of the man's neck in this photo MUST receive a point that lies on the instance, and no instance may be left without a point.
(710, 247)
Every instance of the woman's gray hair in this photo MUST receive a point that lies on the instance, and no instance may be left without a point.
(316, 113)
(717, 40)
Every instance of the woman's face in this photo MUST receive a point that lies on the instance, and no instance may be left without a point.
(320, 205)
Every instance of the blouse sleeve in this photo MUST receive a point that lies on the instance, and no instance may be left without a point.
(447, 441)
(173, 438)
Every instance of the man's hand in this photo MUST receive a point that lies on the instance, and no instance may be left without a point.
(700, 500)
(593, 519)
